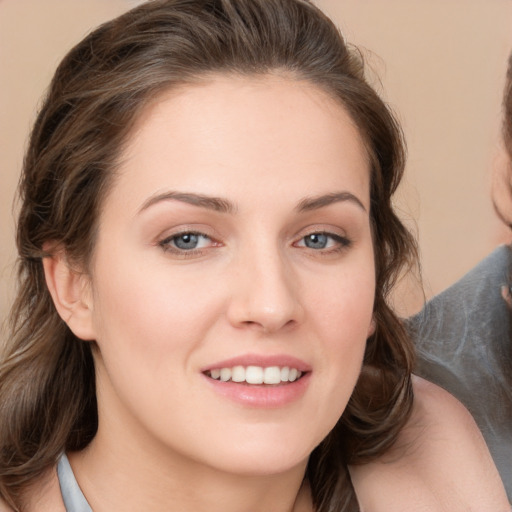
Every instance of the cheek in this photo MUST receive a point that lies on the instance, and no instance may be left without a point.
(150, 309)
(149, 325)
(346, 305)
(343, 320)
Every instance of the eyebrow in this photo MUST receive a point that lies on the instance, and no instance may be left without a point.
(224, 206)
(211, 203)
(314, 203)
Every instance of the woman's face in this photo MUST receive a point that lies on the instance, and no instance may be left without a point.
(234, 247)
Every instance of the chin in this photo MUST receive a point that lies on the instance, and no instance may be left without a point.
(262, 458)
(262, 466)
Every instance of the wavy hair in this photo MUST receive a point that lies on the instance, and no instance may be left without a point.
(47, 377)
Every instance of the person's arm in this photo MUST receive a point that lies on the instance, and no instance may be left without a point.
(440, 463)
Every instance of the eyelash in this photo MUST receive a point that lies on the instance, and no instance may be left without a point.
(166, 244)
(341, 243)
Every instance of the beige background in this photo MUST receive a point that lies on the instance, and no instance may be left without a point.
(441, 64)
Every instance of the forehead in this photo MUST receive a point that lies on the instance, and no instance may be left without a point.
(268, 129)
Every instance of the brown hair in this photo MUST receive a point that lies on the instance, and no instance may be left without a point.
(47, 388)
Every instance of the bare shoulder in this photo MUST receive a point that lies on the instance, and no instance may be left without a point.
(439, 463)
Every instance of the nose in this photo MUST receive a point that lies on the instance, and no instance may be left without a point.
(265, 293)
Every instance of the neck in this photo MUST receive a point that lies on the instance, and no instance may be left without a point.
(115, 478)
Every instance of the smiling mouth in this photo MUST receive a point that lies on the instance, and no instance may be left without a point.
(255, 374)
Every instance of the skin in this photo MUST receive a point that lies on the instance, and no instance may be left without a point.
(440, 463)
(267, 146)
(275, 151)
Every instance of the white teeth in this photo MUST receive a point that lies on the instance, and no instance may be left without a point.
(272, 375)
(238, 374)
(225, 374)
(256, 374)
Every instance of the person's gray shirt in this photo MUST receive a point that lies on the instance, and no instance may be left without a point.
(463, 340)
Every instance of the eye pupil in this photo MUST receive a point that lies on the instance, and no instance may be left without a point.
(186, 241)
(316, 241)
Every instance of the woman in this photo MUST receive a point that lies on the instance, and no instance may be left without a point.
(463, 334)
(206, 244)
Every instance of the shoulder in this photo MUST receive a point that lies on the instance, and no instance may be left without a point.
(442, 427)
(439, 463)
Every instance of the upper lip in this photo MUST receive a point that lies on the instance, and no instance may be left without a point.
(264, 361)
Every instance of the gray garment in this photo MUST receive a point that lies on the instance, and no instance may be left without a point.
(73, 498)
(463, 339)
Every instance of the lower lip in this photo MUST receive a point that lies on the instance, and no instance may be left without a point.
(261, 396)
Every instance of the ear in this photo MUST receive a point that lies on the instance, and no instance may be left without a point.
(71, 294)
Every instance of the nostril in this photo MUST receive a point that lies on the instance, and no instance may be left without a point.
(267, 327)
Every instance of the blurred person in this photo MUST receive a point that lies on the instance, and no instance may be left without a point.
(463, 335)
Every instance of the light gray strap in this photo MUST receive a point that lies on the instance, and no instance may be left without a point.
(74, 500)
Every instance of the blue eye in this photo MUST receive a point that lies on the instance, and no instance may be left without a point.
(324, 241)
(187, 241)
(316, 241)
